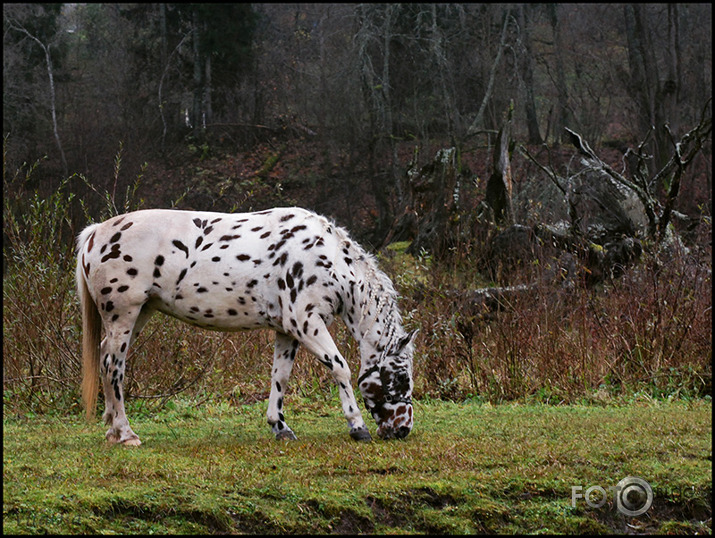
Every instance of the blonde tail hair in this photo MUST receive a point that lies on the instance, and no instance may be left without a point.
(91, 333)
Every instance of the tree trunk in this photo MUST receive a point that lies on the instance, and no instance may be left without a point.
(478, 122)
(440, 58)
(563, 117)
(197, 107)
(433, 188)
(375, 27)
(532, 122)
(208, 108)
(647, 90)
(499, 185)
(51, 78)
(53, 109)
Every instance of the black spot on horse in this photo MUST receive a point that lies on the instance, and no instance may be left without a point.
(113, 254)
(182, 274)
(281, 260)
(178, 244)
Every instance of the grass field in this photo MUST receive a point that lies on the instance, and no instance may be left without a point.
(466, 468)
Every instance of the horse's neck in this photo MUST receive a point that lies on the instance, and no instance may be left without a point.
(376, 324)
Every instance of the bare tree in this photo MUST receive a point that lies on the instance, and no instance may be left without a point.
(654, 89)
(526, 13)
(499, 185)
(627, 203)
(478, 122)
(372, 42)
(563, 114)
(17, 26)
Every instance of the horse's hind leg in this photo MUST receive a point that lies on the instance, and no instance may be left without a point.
(283, 358)
(113, 354)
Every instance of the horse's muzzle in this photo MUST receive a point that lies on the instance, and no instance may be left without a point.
(393, 433)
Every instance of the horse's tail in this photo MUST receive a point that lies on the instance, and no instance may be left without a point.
(91, 332)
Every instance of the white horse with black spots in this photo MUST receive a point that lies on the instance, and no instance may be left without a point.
(286, 269)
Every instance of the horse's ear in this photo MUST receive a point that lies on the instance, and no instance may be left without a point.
(406, 340)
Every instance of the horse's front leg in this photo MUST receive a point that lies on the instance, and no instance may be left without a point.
(283, 358)
(318, 340)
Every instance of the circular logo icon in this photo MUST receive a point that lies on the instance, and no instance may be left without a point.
(634, 496)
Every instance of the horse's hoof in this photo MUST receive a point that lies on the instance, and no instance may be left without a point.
(115, 439)
(360, 434)
(286, 435)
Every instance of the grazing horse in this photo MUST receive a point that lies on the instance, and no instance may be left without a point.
(286, 269)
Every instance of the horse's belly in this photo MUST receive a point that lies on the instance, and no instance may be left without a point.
(221, 303)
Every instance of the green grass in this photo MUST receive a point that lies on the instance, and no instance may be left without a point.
(466, 468)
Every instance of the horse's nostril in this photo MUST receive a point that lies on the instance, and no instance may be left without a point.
(402, 432)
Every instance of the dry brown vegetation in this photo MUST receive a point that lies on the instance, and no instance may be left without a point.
(647, 332)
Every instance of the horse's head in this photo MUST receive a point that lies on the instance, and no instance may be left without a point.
(386, 389)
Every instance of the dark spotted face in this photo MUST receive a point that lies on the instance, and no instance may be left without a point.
(387, 390)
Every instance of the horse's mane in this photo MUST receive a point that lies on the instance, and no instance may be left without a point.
(378, 286)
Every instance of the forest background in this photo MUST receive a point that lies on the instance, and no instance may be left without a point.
(342, 108)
